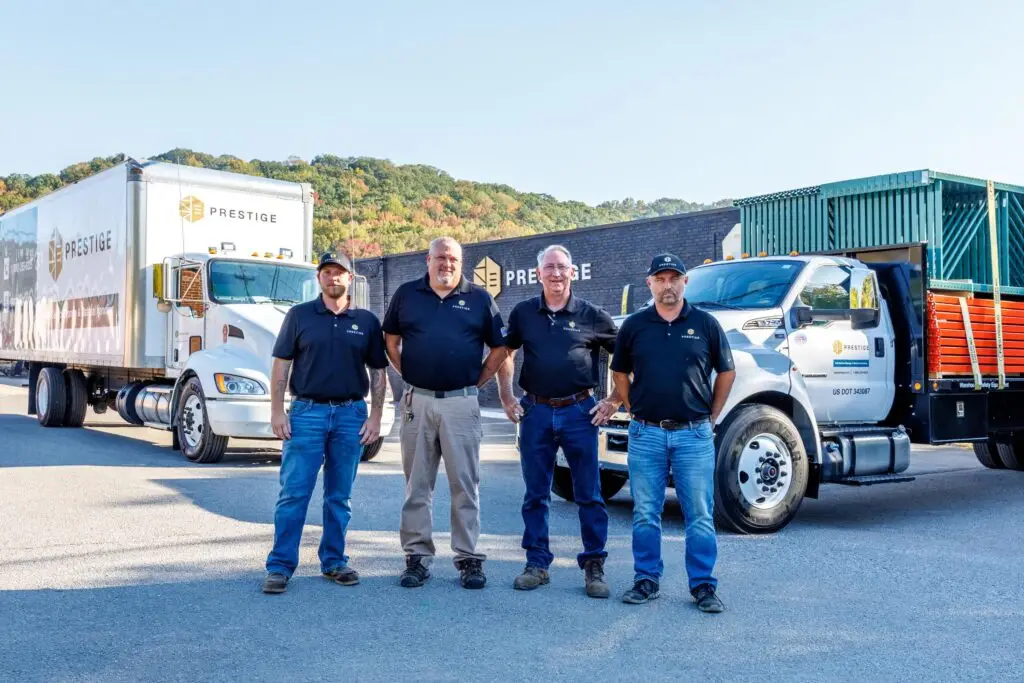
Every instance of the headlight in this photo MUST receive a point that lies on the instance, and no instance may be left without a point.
(233, 384)
(763, 324)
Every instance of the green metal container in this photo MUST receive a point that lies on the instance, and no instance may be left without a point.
(948, 212)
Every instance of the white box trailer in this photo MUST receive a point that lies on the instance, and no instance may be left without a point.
(158, 289)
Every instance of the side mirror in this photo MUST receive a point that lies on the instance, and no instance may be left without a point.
(804, 316)
(864, 317)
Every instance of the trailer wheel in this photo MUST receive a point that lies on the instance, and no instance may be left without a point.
(761, 470)
(371, 450)
(985, 452)
(198, 442)
(51, 397)
(78, 398)
(561, 483)
(1011, 454)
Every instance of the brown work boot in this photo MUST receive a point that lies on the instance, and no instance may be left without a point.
(531, 578)
(343, 576)
(594, 572)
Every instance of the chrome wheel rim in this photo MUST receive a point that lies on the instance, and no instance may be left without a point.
(765, 471)
(192, 421)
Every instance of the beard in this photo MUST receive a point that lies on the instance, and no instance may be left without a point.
(335, 291)
(668, 297)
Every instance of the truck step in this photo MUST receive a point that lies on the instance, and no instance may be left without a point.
(869, 479)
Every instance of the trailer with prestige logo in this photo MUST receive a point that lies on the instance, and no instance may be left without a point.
(158, 290)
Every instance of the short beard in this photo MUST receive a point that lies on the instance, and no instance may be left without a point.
(335, 291)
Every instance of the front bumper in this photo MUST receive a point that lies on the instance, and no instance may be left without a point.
(250, 419)
(612, 441)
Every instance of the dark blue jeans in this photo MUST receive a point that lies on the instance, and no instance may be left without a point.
(542, 430)
(690, 455)
(325, 435)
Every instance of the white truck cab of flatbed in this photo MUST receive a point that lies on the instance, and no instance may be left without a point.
(813, 345)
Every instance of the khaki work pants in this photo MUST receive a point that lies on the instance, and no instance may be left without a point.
(433, 429)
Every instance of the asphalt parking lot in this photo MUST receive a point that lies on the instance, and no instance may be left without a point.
(121, 561)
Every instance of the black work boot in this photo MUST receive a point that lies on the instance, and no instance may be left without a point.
(594, 573)
(531, 578)
(707, 600)
(415, 574)
(642, 591)
(275, 583)
(471, 573)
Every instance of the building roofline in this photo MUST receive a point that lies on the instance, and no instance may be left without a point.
(588, 228)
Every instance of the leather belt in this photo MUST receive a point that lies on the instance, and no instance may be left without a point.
(672, 425)
(561, 402)
(465, 391)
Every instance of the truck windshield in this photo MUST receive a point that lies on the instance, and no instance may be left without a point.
(742, 284)
(247, 282)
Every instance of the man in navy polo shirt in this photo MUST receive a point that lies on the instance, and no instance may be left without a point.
(671, 349)
(436, 328)
(327, 347)
(561, 336)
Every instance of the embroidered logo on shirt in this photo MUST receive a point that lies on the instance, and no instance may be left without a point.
(355, 330)
(461, 305)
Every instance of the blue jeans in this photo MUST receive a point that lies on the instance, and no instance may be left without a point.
(542, 430)
(325, 435)
(690, 454)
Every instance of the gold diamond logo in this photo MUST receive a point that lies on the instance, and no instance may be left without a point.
(837, 347)
(487, 274)
(690, 331)
(462, 302)
(572, 323)
(56, 254)
(191, 209)
(355, 327)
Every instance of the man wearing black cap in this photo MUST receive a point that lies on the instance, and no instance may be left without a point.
(327, 346)
(671, 349)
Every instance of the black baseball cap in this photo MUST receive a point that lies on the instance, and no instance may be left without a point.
(336, 258)
(666, 262)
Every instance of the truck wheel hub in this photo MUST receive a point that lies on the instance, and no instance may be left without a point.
(764, 472)
(192, 420)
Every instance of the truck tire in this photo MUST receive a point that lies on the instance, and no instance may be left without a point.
(198, 442)
(51, 397)
(1011, 454)
(985, 452)
(759, 447)
(371, 450)
(611, 483)
(78, 398)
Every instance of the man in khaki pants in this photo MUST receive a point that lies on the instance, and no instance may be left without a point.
(435, 329)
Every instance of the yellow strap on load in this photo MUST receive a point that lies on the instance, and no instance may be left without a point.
(994, 241)
(975, 368)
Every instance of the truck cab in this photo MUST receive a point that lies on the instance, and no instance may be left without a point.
(224, 311)
(813, 342)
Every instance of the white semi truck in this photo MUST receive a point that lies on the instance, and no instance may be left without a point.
(159, 290)
(834, 358)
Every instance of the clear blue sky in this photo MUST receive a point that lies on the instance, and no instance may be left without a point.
(582, 100)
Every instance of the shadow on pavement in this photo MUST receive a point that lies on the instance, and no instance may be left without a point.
(25, 443)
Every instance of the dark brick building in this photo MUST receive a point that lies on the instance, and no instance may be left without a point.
(607, 258)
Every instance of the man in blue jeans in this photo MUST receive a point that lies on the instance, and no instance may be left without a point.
(671, 350)
(328, 347)
(561, 336)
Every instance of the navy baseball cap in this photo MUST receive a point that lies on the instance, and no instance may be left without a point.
(666, 262)
(335, 258)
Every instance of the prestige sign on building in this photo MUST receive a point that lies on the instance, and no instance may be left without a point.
(489, 274)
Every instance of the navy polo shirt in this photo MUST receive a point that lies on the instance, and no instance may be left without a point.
(330, 352)
(561, 349)
(671, 363)
(443, 338)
